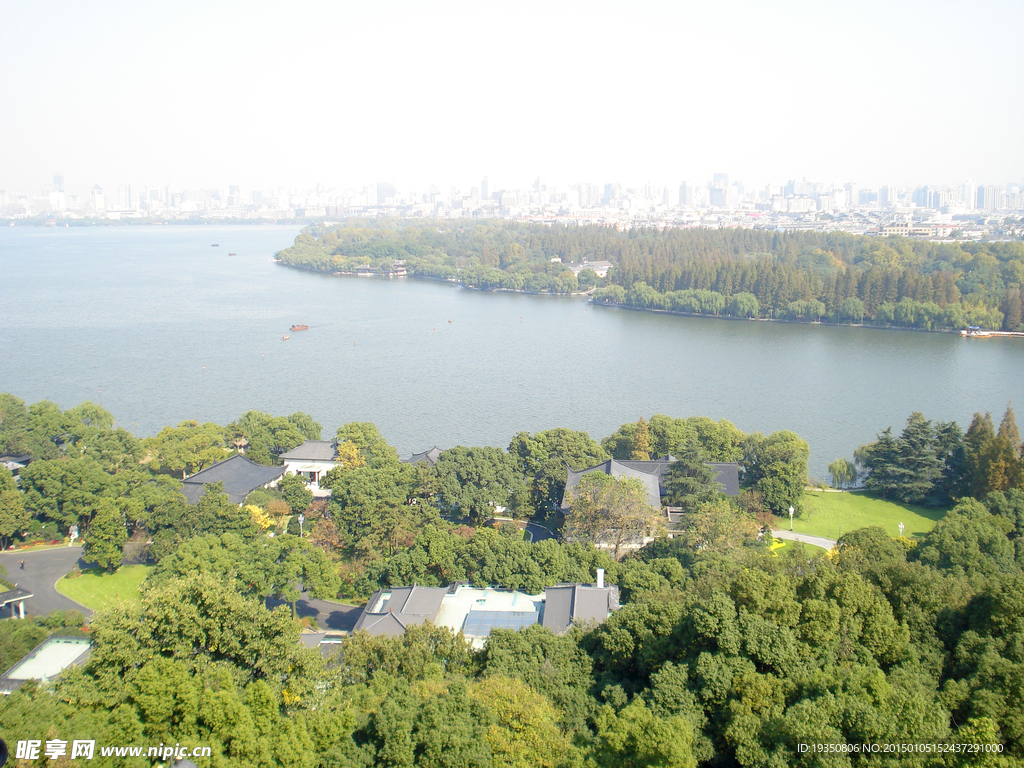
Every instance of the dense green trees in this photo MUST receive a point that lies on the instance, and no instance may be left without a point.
(280, 567)
(544, 457)
(907, 467)
(689, 481)
(776, 467)
(187, 448)
(14, 518)
(479, 483)
(720, 440)
(104, 541)
(721, 654)
(265, 437)
(939, 464)
(737, 272)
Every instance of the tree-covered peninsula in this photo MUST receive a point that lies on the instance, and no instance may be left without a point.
(804, 276)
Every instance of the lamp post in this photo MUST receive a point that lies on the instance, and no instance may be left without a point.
(302, 519)
(791, 510)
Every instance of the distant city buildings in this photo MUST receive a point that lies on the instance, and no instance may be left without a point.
(969, 210)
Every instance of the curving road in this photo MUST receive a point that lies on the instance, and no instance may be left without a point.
(538, 532)
(817, 541)
(42, 570)
(328, 615)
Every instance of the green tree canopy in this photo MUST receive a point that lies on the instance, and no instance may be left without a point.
(476, 482)
(543, 459)
(776, 466)
(689, 482)
(105, 539)
(265, 437)
(187, 448)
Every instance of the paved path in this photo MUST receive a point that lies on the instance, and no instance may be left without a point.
(817, 541)
(42, 570)
(538, 532)
(328, 615)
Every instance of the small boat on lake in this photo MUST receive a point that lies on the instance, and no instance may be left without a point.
(232, 254)
(215, 245)
(285, 338)
(299, 328)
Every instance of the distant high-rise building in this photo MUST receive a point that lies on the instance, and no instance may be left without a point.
(868, 196)
(990, 198)
(970, 195)
(853, 194)
(589, 195)
(385, 191)
(720, 180)
(124, 197)
(723, 197)
(922, 197)
(685, 194)
(58, 183)
(485, 188)
(98, 203)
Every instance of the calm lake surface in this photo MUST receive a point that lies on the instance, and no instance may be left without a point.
(160, 327)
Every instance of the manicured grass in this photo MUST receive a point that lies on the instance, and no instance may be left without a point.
(97, 589)
(812, 550)
(833, 514)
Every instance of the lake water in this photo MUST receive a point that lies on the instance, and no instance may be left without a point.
(159, 327)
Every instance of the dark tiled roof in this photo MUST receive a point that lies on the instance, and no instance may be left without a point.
(728, 476)
(311, 639)
(427, 457)
(239, 476)
(568, 604)
(650, 472)
(312, 450)
(558, 608)
(618, 469)
(405, 606)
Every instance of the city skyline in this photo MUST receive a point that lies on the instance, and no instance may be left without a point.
(908, 94)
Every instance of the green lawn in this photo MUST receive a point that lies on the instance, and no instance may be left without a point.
(833, 514)
(96, 589)
(811, 550)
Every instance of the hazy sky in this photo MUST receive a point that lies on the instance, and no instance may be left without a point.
(295, 93)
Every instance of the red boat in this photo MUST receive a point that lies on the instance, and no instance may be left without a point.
(300, 328)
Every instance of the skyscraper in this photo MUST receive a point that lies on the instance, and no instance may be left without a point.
(485, 188)
(970, 195)
(685, 194)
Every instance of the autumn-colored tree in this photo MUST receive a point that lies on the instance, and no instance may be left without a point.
(641, 441)
(612, 512)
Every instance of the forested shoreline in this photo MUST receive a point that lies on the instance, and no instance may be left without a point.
(725, 652)
(800, 276)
